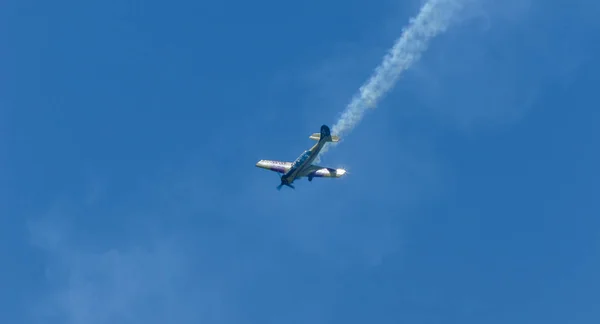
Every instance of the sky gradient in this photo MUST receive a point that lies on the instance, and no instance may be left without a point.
(129, 131)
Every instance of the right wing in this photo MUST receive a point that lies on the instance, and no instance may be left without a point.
(323, 172)
(277, 166)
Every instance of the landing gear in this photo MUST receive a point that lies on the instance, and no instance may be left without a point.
(310, 178)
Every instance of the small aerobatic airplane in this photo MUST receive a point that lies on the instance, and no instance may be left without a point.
(303, 166)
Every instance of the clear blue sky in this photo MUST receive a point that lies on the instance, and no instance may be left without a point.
(130, 129)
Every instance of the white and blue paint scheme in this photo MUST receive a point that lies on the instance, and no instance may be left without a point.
(302, 166)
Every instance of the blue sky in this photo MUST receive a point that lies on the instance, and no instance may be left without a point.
(130, 131)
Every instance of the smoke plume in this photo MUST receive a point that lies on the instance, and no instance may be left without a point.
(434, 18)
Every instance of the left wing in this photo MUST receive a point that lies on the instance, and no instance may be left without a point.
(277, 166)
(323, 172)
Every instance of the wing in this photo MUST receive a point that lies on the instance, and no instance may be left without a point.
(277, 166)
(316, 171)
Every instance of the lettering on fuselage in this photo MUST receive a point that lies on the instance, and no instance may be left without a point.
(302, 158)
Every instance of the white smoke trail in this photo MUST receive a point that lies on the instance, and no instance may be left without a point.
(434, 17)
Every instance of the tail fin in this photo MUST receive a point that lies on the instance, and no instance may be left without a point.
(325, 135)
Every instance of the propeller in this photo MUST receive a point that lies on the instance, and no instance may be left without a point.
(284, 184)
(289, 185)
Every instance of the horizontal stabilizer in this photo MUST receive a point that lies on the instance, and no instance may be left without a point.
(317, 136)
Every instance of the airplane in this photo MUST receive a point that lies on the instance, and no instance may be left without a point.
(302, 166)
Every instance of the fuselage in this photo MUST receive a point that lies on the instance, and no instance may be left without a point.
(302, 162)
